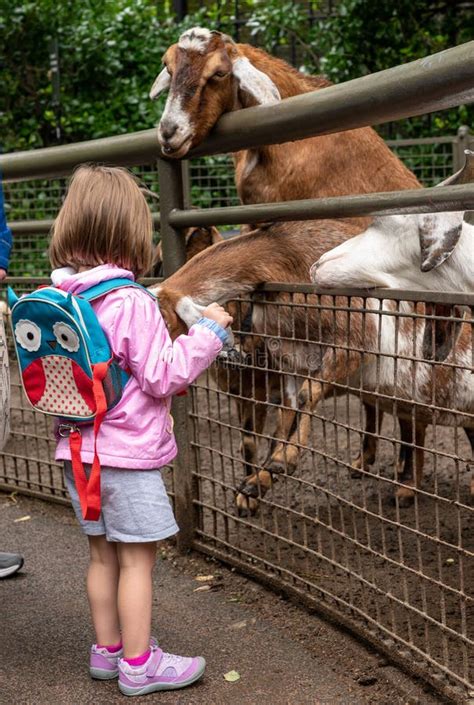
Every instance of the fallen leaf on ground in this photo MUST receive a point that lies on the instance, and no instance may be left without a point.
(204, 578)
(232, 676)
(25, 518)
(202, 588)
(243, 623)
(11, 499)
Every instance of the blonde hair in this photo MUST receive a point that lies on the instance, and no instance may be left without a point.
(104, 219)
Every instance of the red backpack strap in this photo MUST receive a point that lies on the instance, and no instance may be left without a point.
(89, 489)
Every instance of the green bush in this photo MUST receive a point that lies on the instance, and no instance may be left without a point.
(110, 52)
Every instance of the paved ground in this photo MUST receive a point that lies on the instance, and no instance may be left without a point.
(283, 654)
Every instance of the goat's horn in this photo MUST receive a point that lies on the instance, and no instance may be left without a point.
(225, 37)
(147, 192)
(464, 175)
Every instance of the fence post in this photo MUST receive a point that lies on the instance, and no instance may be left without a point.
(462, 143)
(170, 174)
(186, 183)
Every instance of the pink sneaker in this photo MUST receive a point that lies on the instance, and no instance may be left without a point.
(104, 663)
(161, 672)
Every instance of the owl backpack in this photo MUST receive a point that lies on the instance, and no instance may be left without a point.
(68, 369)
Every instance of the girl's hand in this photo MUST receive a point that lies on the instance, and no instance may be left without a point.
(218, 314)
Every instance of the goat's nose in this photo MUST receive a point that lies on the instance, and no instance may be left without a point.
(168, 129)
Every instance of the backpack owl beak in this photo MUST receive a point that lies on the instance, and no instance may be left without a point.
(52, 344)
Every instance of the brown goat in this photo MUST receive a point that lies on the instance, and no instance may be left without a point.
(234, 268)
(250, 386)
(197, 239)
(208, 75)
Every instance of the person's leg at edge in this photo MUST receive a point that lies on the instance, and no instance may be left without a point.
(136, 561)
(102, 590)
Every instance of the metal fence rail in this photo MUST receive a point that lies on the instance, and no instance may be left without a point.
(389, 553)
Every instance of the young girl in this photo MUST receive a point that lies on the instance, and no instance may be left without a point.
(104, 231)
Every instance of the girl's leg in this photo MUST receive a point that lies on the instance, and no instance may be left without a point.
(102, 586)
(136, 562)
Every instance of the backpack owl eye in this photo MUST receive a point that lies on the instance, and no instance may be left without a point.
(66, 337)
(28, 335)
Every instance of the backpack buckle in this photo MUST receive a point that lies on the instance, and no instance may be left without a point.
(65, 429)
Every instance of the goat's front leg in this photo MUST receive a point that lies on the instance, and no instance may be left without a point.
(248, 388)
(335, 368)
(257, 483)
(369, 444)
(470, 436)
(410, 464)
(252, 416)
(286, 453)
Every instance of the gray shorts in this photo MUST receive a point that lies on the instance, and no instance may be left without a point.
(135, 506)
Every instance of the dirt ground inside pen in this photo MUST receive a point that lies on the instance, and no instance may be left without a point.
(345, 540)
(283, 654)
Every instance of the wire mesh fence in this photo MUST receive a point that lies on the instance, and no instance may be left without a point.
(331, 460)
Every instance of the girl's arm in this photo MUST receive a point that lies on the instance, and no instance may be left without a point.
(141, 341)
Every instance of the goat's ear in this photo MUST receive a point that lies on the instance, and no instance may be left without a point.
(161, 83)
(225, 37)
(215, 235)
(465, 175)
(439, 234)
(254, 82)
(469, 217)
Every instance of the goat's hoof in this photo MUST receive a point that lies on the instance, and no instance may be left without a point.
(401, 473)
(279, 467)
(405, 499)
(356, 468)
(360, 463)
(247, 505)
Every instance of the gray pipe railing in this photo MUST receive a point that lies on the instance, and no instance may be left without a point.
(436, 82)
(443, 198)
(38, 227)
(432, 200)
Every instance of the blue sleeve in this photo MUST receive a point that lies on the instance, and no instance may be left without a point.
(5, 233)
(215, 327)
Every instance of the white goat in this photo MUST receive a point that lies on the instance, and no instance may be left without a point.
(431, 252)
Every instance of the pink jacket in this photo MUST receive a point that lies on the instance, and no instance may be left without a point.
(138, 432)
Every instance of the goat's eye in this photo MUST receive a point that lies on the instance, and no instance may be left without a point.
(220, 74)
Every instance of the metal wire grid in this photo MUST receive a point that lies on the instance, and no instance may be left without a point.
(41, 200)
(212, 182)
(431, 162)
(402, 575)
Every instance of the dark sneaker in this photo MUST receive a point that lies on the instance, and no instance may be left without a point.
(161, 672)
(10, 563)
